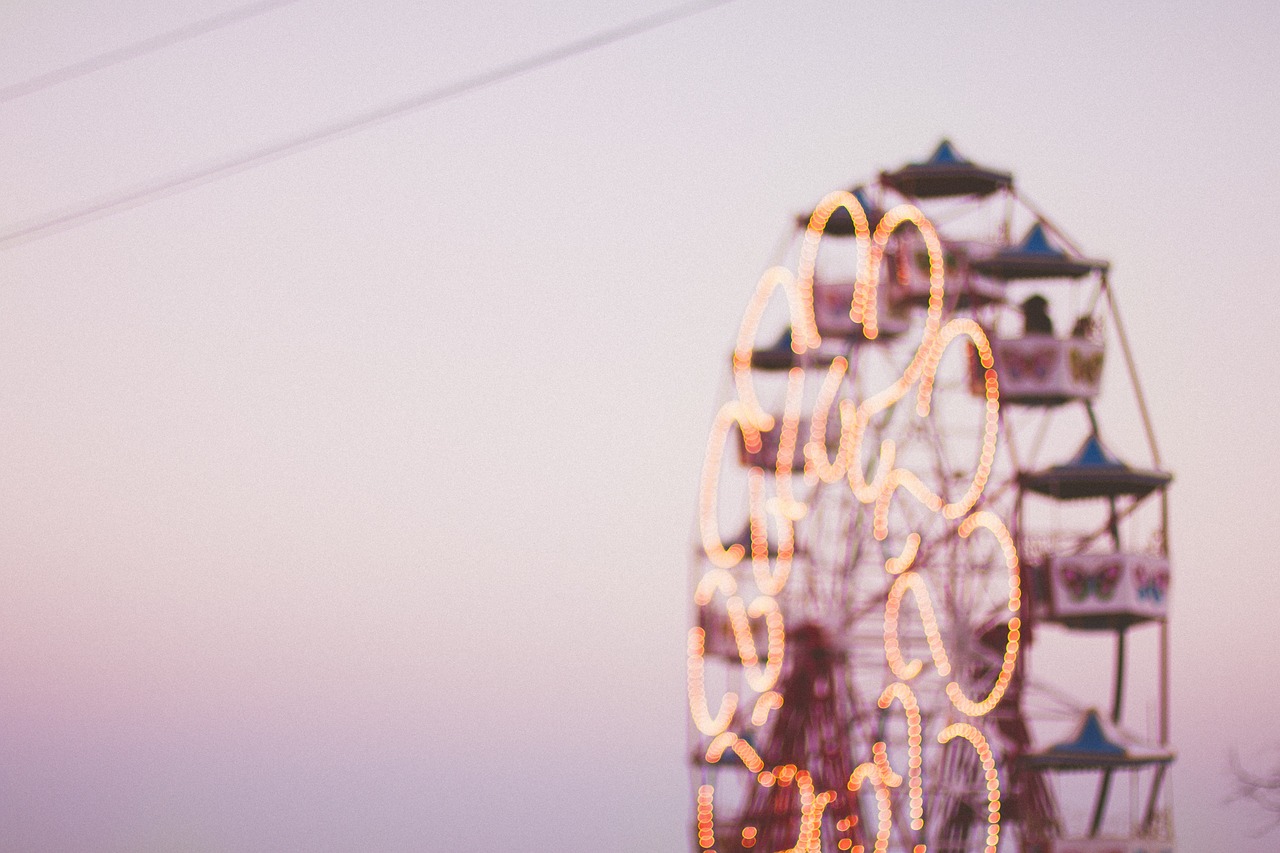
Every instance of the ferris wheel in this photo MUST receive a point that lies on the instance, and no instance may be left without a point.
(930, 602)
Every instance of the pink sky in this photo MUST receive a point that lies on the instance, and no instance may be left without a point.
(346, 501)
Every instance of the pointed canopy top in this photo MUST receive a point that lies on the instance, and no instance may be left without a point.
(1035, 256)
(1094, 472)
(744, 539)
(1037, 242)
(1090, 739)
(946, 173)
(1095, 747)
(946, 153)
(1092, 454)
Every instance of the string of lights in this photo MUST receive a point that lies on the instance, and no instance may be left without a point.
(746, 419)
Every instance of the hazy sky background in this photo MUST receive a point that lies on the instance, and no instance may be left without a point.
(344, 503)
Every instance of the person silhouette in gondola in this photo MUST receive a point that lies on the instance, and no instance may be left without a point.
(1035, 316)
(1085, 328)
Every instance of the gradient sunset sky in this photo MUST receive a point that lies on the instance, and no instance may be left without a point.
(345, 502)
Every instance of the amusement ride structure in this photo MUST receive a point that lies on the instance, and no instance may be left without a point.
(929, 600)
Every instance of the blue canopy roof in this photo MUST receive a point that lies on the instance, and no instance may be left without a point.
(945, 153)
(946, 173)
(1037, 243)
(1035, 257)
(1092, 749)
(1093, 455)
(1094, 472)
(1090, 740)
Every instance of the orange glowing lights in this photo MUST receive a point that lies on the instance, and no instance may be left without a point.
(773, 279)
(708, 504)
(911, 708)
(770, 579)
(728, 740)
(768, 702)
(698, 709)
(817, 465)
(759, 570)
(812, 806)
(906, 671)
(884, 807)
(975, 737)
(807, 328)
(991, 522)
(705, 813)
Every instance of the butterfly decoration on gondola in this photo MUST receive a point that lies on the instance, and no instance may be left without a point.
(1086, 367)
(1098, 583)
(1153, 584)
(1034, 364)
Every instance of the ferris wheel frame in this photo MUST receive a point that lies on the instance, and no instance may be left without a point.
(826, 504)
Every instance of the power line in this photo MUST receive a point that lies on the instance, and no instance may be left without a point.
(123, 54)
(183, 181)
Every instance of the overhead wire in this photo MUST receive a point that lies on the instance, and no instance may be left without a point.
(138, 49)
(183, 181)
